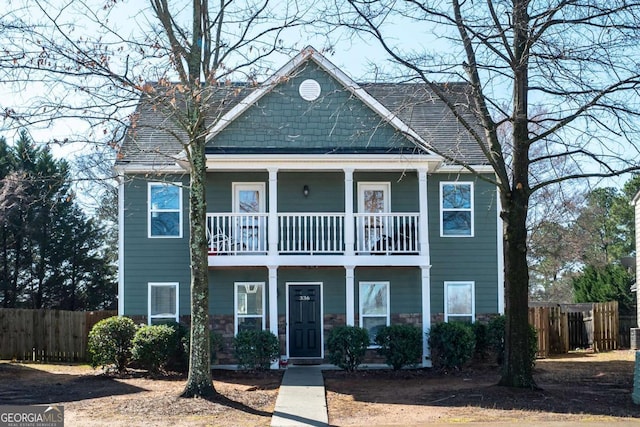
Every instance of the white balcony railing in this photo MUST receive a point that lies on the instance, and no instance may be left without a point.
(310, 233)
(237, 233)
(313, 233)
(386, 233)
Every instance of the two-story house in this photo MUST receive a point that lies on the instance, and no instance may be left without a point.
(326, 206)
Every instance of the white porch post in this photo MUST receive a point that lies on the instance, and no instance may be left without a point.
(273, 305)
(272, 237)
(426, 314)
(350, 292)
(423, 236)
(349, 227)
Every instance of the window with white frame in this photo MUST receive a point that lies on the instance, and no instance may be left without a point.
(374, 307)
(456, 209)
(165, 209)
(249, 306)
(459, 301)
(163, 302)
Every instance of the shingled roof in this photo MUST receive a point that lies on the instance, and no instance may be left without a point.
(154, 137)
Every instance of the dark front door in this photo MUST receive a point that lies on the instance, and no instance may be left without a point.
(305, 339)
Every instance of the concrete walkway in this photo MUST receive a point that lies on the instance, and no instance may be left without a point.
(301, 400)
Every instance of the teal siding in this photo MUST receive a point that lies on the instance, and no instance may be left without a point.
(405, 287)
(465, 258)
(221, 283)
(333, 286)
(326, 192)
(152, 260)
(404, 188)
(336, 120)
(220, 188)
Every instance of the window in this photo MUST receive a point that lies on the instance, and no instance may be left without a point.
(165, 210)
(163, 302)
(374, 306)
(456, 209)
(459, 301)
(249, 205)
(373, 204)
(249, 306)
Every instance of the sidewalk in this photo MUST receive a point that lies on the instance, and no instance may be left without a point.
(301, 399)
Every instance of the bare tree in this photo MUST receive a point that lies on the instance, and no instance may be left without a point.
(179, 61)
(573, 59)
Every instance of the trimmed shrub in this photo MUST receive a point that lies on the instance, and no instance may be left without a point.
(346, 346)
(401, 345)
(452, 344)
(481, 334)
(179, 359)
(496, 331)
(110, 342)
(153, 345)
(255, 350)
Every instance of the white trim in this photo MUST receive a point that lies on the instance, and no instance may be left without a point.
(163, 284)
(309, 53)
(180, 208)
(248, 186)
(388, 307)
(470, 209)
(350, 295)
(237, 315)
(335, 162)
(132, 168)
(321, 303)
(473, 299)
(500, 250)
(461, 169)
(349, 226)
(121, 182)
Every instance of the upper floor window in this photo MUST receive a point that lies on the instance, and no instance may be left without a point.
(165, 209)
(374, 307)
(163, 302)
(459, 301)
(456, 209)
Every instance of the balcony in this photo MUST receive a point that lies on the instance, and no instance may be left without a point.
(314, 234)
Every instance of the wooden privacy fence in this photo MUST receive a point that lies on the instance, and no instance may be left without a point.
(47, 335)
(564, 327)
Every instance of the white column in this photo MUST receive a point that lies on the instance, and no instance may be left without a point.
(423, 226)
(426, 314)
(349, 228)
(272, 237)
(121, 181)
(273, 305)
(350, 292)
(423, 235)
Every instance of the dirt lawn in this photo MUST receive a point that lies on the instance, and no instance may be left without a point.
(577, 387)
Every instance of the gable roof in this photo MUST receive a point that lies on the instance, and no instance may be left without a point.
(413, 110)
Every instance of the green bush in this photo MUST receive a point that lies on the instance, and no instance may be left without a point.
(452, 344)
(256, 350)
(496, 331)
(481, 334)
(346, 346)
(153, 345)
(110, 342)
(401, 345)
(179, 358)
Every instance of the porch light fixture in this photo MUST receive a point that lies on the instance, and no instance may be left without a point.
(305, 190)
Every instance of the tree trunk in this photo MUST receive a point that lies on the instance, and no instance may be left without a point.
(199, 382)
(517, 369)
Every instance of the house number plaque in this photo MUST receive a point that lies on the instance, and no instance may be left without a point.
(304, 298)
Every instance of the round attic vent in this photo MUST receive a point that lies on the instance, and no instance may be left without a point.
(309, 90)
